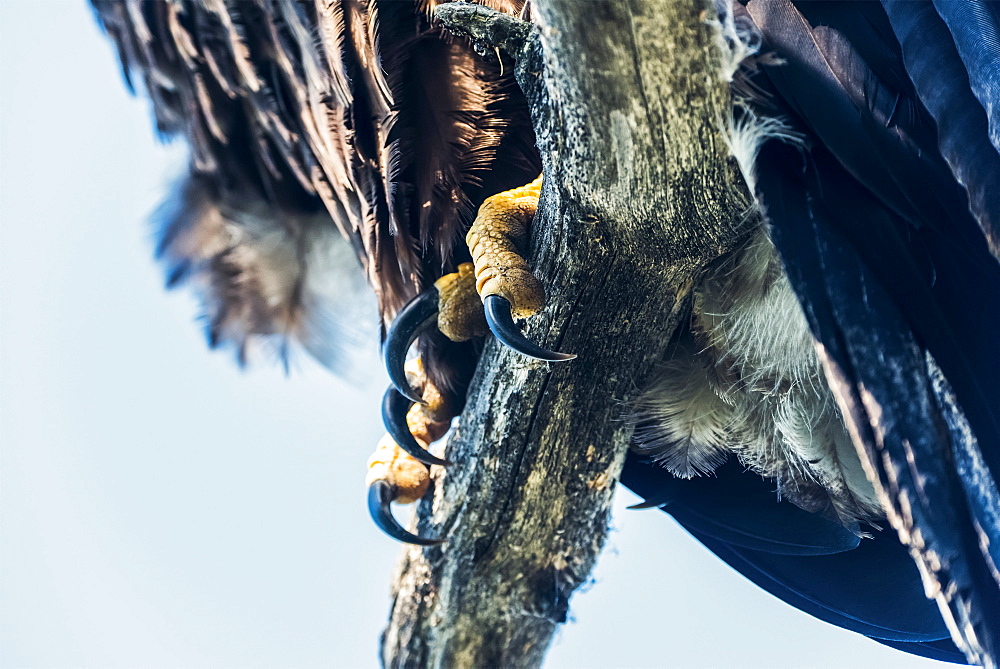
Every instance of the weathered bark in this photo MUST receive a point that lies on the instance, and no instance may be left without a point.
(638, 197)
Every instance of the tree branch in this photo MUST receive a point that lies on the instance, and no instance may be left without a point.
(638, 197)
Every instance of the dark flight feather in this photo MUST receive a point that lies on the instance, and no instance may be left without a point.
(952, 53)
(870, 355)
(905, 257)
(896, 280)
(871, 587)
(933, 240)
(738, 509)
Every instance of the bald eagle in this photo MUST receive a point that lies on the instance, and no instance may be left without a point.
(845, 355)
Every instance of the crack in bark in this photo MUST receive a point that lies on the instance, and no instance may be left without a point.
(525, 445)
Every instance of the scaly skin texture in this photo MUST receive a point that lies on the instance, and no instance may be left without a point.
(460, 309)
(436, 407)
(497, 234)
(409, 478)
(427, 423)
(496, 239)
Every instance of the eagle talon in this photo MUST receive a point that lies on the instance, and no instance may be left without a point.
(503, 278)
(395, 476)
(501, 322)
(395, 407)
(381, 494)
(411, 319)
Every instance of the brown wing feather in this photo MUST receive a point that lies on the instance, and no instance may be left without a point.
(364, 108)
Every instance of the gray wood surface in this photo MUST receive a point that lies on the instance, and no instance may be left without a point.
(628, 105)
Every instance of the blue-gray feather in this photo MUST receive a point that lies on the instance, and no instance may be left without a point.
(952, 62)
(884, 229)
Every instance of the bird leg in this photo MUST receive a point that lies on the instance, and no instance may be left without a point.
(397, 470)
(486, 294)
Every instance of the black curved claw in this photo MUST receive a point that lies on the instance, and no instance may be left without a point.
(380, 496)
(502, 325)
(404, 329)
(395, 406)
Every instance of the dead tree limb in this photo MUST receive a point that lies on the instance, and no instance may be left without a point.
(628, 104)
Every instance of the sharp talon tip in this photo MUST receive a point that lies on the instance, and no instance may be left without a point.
(501, 322)
(649, 504)
(395, 406)
(410, 394)
(380, 496)
(405, 327)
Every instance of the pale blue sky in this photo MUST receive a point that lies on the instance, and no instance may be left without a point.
(160, 508)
